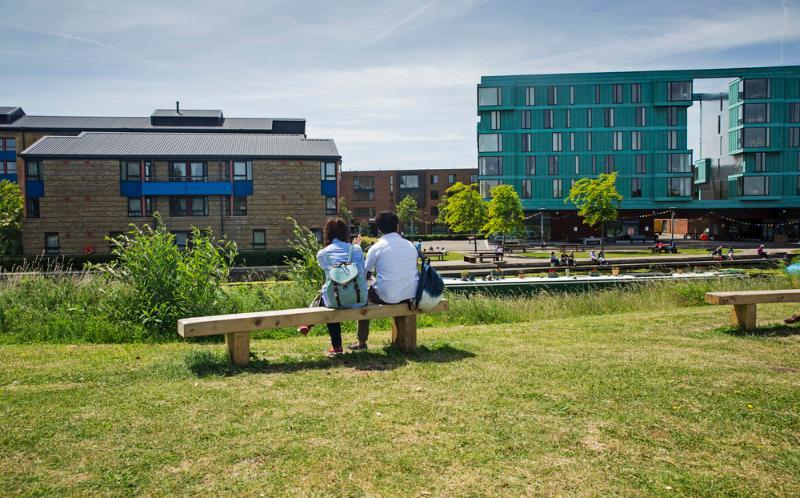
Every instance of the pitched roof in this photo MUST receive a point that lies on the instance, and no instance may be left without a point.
(114, 123)
(138, 145)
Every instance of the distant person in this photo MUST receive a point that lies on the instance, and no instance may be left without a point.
(571, 259)
(393, 262)
(761, 251)
(337, 251)
(601, 258)
(499, 250)
(553, 259)
(497, 273)
(673, 247)
(593, 256)
(564, 259)
(418, 245)
(704, 236)
(730, 253)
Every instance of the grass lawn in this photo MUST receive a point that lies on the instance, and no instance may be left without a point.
(645, 403)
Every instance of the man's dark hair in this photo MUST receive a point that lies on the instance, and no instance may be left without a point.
(336, 228)
(387, 222)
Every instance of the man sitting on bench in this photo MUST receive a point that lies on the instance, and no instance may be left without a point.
(394, 259)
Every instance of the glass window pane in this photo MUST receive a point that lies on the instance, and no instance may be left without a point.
(755, 113)
(755, 185)
(489, 142)
(488, 96)
(755, 137)
(756, 89)
(486, 186)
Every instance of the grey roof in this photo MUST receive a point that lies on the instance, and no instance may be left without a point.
(108, 123)
(7, 110)
(195, 113)
(104, 145)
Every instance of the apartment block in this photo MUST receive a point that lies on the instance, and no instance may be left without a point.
(541, 133)
(369, 192)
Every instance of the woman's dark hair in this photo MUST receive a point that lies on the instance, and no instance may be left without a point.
(387, 222)
(336, 228)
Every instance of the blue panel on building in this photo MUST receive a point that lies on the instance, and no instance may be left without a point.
(8, 155)
(242, 188)
(10, 177)
(34, 188)
(328, 188)
(186, 188)
(130, 189)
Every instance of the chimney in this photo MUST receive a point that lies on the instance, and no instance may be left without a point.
(177, 106)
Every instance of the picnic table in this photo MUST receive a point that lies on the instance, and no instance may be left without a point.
(481, 255)
(588, 241)
(521, 246)
(434, 254)
(576, 247)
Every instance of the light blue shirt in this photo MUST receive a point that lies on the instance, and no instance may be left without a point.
(337, 252)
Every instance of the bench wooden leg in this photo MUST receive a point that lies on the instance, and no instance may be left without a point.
(404, 332)
(744, 316)
(238, 344)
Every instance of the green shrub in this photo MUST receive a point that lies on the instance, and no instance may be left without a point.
(272, 257)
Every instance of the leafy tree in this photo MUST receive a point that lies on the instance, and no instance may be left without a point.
(11, 207)
(344, 213)
(407, 212)
(363, 228)
(505, 212)
(463, 210)
(596, 199)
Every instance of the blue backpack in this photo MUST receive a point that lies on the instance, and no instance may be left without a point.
(430, 286)
(345, 286)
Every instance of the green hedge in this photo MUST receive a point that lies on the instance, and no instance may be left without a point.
(439, 236)
(270, 257)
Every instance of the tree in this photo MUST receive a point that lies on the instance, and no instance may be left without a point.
(363, 228)
(11, 208)
(345, 214)
(596, 199)
(407, 212)
(505, 212)
(463, 210)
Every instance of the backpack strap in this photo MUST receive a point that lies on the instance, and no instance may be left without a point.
(350, 255)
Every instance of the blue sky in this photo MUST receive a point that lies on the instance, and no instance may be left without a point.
(393, 82)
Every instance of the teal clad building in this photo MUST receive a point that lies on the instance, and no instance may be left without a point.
(540, 133)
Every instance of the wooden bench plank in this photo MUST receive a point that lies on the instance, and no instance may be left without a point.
(753, 297)
(263, 320)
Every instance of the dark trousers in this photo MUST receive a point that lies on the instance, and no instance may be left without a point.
(335, 331)
(363, 325)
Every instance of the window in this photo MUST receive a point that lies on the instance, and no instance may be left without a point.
(679, 163)
(756, 89)
(608, 117)
(181, 239)
(364, 212)
(8, 167)
(434, 179)
(134, 207)
(243, 170)
(259, 239)
(526, 119)
(451, 179)
(594, 165)
(589, 140)
(617, 140)
(473, 178)
(364, 195)
(530, 96)
(572, 141)
(548, 118)
(608, 166)
(569, 118)
(409, 181)
(672, 116)
(794, 112)
(489, 142)
(434, 195)
(494, 120)
(641, 164)
(636, 187)
(363, 183)
(571, 95)
(51, 243)
(678, 91)
(8, 145)
(679, 187)
(182, 171)
(557, 142)
(597, 94)
(552, 165)
(552, 95)
(331, 205)
(32, 205)
(530, 166)
(526, 189)
(131, 171)
(148, 171)
(188, 206)
(490, 166)
(435, 211)
(327, 171)
(753, 185)
(616, 92)
(486, 187)
(149, 206)
(753, 113)
(557, 192)
(33, 170)
(761, 159)
(588, 118)
(641, 116)
(794, 137)
(198, 171)
(756, 137)
(526, 142)
(577, 165)
(239, 206)
(636, 93)
(636, 140)
(489, 96)
(672, 139)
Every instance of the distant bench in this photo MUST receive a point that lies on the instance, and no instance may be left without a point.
(237, 327)
(744, 303)
(481, 255)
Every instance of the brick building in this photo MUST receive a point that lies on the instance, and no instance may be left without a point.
(369, 192)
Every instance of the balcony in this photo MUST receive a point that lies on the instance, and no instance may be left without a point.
(198, 185)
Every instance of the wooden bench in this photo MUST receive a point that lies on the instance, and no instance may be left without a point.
(570, 247)
(744, 303)
(237, 327)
